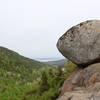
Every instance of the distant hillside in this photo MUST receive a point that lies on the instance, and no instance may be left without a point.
(59, 63)
(16, 65)
(11, 59)
(18, 75)
(22, 78)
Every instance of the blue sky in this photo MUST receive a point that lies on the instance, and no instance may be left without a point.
(32, 27)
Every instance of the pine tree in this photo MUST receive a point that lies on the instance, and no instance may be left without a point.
(44, 83)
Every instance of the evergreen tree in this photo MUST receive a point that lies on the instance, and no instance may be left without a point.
(44, 82)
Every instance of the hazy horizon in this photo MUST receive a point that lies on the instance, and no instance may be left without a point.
(32, 27)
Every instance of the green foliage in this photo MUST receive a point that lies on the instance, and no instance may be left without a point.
(44, 82)
(69, 68)
(25, 79)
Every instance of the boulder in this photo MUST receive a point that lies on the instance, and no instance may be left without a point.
(81, 43)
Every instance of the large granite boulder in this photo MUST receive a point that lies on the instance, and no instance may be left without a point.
(81, 43)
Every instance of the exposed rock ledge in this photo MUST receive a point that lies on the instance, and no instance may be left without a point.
(83, 84)
(82, 94)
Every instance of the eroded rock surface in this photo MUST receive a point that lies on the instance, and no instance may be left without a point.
(81, 43)
(81, 95)
(83, 84)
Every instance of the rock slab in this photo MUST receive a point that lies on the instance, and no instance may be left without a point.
(80, 95)
(83, 84)
(81, 43)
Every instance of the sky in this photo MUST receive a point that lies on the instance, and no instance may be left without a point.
(32, 27)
